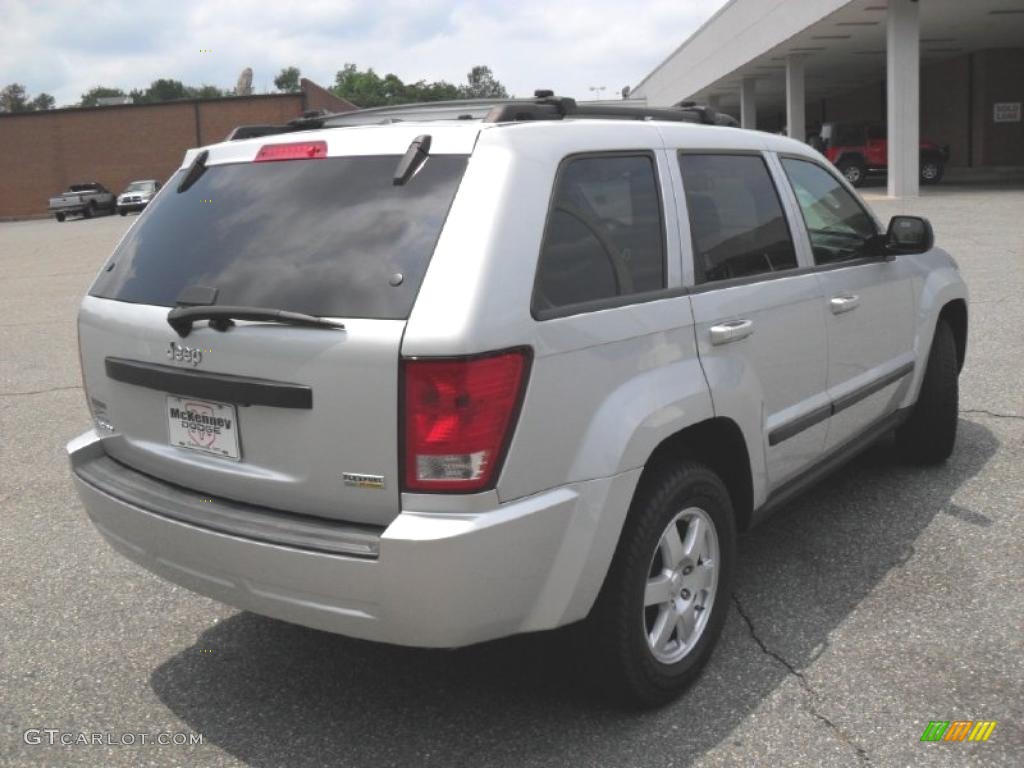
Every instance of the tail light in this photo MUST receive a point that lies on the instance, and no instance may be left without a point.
(299, 150)
(459, 417)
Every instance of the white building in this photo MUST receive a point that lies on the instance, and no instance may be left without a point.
(950, 70)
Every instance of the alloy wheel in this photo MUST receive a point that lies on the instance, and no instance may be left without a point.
(681, 585)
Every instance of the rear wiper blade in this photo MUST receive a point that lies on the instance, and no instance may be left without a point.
(182, 318)
(413, 159)
(197, 169)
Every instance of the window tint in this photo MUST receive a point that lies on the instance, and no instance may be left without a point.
(837, 225)
(736, 219)
(845, 135)
(323, 237)
(604, 236)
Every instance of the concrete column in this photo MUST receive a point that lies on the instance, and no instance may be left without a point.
(796, 118)
(748, 103)
(903, 96)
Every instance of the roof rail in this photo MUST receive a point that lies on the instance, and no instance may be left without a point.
(461, 109)
(544, 106)
(547, 106)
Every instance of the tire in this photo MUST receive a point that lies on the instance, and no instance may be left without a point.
(932, 170)
(60, 217)
(619, 629)
(123, 212)
(89, 210)
(854, 170)
(929, 434)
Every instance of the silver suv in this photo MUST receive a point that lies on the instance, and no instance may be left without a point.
(442, 377)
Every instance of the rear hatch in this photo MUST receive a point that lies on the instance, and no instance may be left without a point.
(292, 417)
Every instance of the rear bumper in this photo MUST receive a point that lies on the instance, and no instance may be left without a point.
(438, 579)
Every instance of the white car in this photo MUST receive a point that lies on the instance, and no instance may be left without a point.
(136, 196)
(446, 378)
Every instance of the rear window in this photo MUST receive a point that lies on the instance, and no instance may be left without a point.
(325, 237)
(604, 235)
(140, 186)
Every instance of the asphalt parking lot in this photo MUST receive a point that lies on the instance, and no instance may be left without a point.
(886, 597)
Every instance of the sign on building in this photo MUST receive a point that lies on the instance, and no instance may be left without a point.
(1006, 112)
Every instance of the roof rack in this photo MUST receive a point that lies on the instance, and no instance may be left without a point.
(544, 106)
(547, 106)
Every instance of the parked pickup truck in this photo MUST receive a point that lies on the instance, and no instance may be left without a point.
(85, 199)
(136, 196)
(862, 150)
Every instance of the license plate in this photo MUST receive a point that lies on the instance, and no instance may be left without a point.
(204, 426)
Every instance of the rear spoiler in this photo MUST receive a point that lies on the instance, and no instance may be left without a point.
(313, 118)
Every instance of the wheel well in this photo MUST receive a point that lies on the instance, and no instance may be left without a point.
(717, 443)
(955, 313)
(854, 157)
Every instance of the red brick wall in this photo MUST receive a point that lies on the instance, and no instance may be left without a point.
(217, 118)
(41, 153)
(321, 98)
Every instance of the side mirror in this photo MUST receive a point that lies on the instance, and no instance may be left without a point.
(908, 234)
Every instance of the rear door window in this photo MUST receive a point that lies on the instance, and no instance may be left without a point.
(605, 233)
(327, 237)
(736, 219)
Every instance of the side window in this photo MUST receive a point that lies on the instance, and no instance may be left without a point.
(605, 234)
(736, 219)
(837, 224)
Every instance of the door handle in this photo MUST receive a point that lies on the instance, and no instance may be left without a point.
(731, 330)
(844, 303)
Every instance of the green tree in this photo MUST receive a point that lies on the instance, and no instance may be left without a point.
(165, 90)
(205, 92)
(481, 84)
(368, 89)
(436, 91)
(13, 98)
(92, 96)
(288, 80)
(41, 102)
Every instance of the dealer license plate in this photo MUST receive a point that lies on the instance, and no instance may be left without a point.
(204, 426)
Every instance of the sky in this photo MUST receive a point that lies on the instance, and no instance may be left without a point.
(65, 47)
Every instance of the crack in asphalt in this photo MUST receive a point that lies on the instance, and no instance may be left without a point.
(37, 391)
(992, 413)
(812, 695)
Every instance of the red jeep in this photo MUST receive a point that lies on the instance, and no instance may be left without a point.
(858, 150)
